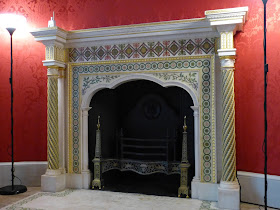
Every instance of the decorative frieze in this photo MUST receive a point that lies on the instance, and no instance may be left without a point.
(226, 40)
(169, 48)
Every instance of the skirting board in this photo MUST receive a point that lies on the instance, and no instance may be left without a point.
(29, 173)
(252, 188)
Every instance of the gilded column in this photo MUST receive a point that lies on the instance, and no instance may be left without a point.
(52, 126)
(54, 39)
(229, 186)
(227, 58)
(228, 113)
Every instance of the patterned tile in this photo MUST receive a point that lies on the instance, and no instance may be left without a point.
(144, 50)
(189, 77)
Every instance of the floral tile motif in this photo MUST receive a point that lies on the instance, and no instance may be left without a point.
(143, 50)
(88, 81)
(190, 78)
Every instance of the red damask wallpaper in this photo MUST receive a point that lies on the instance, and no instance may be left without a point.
(30, 76)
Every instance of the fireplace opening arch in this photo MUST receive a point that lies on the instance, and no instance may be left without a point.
(145, 78)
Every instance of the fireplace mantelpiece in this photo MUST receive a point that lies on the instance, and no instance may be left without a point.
(197, 55)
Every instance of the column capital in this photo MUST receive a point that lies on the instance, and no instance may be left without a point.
(195, 111)
(85, 111)
(61, 72)
(53, 71)
(227, 62)
(55, 55)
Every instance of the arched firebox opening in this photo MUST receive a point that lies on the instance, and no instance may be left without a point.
(142, 110)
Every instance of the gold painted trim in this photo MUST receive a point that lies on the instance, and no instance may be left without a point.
(217, 11)
(228, 67)
(227, 57)
(216, 44)
(61, 72)
(70, 114)
(213, 121)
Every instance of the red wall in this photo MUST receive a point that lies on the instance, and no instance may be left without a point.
(30, 76)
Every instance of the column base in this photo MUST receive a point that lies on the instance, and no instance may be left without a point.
(204, 191)
(53, 181)
(229, 195)
(195, 186)
(87, 177)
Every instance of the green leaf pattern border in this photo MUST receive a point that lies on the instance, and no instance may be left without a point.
(207, 99)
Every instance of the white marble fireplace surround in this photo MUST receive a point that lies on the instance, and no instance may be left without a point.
(196, 54)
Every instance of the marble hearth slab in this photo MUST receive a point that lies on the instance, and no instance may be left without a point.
(105, 200)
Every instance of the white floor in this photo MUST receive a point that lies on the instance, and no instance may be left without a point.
(105, 200)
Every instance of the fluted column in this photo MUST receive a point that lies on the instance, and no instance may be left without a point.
(196, 142)
(85, 170)
(196, 179)
(52, 125)
(85, 139)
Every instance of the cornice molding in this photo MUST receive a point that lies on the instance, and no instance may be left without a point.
(178, 29)
(53, 36)
(232, 16)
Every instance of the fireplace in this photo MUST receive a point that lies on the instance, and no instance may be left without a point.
(196, 56)
(153, 116)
